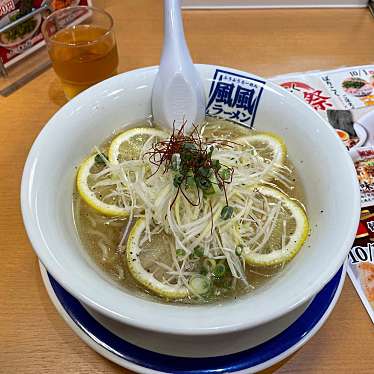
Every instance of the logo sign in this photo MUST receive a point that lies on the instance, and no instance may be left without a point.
(234, 97)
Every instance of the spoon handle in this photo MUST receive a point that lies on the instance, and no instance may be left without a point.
(178, 97)
(174, 41)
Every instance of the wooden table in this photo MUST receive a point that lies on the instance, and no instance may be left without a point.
(33, 337)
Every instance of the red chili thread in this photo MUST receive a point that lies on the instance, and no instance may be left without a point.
(162, 152)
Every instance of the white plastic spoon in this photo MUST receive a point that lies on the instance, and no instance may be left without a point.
(178, 92)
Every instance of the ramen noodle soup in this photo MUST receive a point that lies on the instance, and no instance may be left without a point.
(190, 217)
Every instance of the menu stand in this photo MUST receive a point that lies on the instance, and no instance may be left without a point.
(22, 72)
(35, 59)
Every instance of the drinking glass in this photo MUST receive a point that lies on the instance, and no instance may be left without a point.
(82, 47)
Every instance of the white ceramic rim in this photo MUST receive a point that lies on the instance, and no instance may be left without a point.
(88, 297)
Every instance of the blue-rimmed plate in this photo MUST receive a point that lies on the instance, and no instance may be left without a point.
(145, 361)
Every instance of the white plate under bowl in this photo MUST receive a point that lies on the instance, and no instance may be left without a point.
(114, 344)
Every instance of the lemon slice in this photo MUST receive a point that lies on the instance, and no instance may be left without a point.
(267, 145)
(222, 129)
(96, 197)
(128, 145)
(145, 268)
(275, 240)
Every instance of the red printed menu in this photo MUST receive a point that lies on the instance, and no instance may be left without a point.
(25, 38)
(345, 98)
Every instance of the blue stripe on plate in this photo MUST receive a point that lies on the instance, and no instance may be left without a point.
(224, 364)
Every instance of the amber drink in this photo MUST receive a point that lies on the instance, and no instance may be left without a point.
(82, 47)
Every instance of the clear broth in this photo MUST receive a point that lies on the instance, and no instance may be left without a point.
(91, 226)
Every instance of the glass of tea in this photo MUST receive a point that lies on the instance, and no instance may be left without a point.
(82, 47)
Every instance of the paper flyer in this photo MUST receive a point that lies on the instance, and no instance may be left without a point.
(345, 98)
(361, 261)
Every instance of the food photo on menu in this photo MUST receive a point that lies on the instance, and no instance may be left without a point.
(26, 37)
(344, 98)
(356, 130)
(361, 260)
(358, 87)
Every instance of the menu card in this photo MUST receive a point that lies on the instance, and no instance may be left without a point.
(345, 98)
(25, 38)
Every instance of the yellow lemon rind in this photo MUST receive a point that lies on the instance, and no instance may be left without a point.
(89, 196)
(141, 275)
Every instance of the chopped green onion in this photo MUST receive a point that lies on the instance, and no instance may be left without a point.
(185, 156)
(178, 179)
(199, 284)
(180, 252)
(209, 264)
(187, 152)
(175, 161)
(252, 151)
(216, 164)
(184, 168)
(203, 271)
(204, 172)
(239, 250)
(188, 147)
(225, 174)
(190, 181)
(210, 191)
(219, 271)
(203, 183)
(227, 212)
(198, 251)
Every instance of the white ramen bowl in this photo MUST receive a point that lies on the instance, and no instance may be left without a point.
(322, 162)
